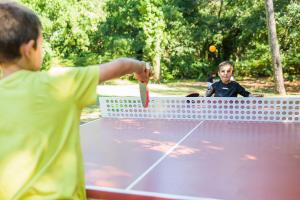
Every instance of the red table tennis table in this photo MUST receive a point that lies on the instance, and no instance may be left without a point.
(168, 151)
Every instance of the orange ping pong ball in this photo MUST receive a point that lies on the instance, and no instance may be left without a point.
(212, 48)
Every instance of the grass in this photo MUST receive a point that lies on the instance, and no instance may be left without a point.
(181, 88)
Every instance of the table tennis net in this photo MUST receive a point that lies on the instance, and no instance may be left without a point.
(271, 109)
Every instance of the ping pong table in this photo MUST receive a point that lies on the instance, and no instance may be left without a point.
(193, 149)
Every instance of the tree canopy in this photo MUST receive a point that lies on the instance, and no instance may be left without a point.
(173, 35)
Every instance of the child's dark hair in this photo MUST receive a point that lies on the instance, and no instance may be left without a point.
(18, 25)
(225, 63)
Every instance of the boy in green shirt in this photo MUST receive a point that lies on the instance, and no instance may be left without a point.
(40, 153)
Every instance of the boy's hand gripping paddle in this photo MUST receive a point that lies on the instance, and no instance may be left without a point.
(144, 92)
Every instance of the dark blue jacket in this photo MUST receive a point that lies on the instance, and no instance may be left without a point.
(232, 89)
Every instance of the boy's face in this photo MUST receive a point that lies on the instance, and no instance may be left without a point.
(225, 73)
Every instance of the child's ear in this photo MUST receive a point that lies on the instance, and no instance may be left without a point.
(27, 48)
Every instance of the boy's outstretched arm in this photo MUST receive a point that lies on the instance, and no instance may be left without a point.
(123, 66)
(210, 91)
(242, 91)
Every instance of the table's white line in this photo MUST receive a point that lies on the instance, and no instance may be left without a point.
(161, 158)
(147, 194)
(89, 122)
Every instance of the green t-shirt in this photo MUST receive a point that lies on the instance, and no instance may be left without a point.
(40, 153)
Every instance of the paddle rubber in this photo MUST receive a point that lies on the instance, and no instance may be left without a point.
(144, 93)
(194, 94)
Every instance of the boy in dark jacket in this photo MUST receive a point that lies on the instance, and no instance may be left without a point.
(226, 87)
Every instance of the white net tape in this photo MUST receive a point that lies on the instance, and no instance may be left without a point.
(203, 108)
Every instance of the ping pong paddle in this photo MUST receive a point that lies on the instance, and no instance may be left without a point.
(144, 91)
(194, 94)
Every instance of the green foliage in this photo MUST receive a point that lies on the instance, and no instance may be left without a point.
(289, 34)
(256, 62)
(48, 54)
(67, 29)
(174, 35)
(118, 36)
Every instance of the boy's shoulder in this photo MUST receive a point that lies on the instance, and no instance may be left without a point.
(235, 83)
(217, 83)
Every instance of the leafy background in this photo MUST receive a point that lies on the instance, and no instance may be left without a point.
(173, 35)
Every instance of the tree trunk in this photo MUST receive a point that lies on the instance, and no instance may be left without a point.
(157, 68)
(273, 42)
(156, 59)
(220, 10)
